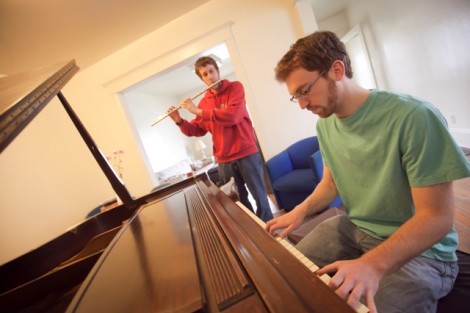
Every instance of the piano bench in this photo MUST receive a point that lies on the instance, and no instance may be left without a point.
(458, 300)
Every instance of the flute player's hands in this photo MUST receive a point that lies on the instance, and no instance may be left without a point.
(189, 105)
(174, 115)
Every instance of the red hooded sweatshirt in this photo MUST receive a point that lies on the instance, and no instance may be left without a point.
(225, 116)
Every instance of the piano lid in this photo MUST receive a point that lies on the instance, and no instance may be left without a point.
(24, 95)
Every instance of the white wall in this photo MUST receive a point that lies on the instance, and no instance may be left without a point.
(49, 181)
(421, 48)
(255, 43)
(338, 23)
(143, 108)
(162, 145)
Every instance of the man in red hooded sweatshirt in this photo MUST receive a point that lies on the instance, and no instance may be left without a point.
(222, 112)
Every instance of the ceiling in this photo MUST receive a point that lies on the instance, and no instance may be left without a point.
(35, 33)
(324, 9)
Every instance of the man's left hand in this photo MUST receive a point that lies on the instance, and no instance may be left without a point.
(189, 105)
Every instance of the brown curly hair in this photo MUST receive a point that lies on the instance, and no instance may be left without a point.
(203, 61)
(315, 52)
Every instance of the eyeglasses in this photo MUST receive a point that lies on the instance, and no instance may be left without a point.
(301, 95)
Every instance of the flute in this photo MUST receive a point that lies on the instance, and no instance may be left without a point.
(163, 116)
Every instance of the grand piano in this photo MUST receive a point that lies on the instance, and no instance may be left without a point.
(184, 248)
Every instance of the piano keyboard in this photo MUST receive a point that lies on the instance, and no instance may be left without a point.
(302, 258)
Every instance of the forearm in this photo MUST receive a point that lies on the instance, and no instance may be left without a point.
(434, 217)
(192, 128)
(410, 240)
(196, 111)
(323, 194)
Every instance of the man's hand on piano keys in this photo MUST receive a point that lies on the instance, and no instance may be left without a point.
(274, 224)
(353, 280)
(288, 222)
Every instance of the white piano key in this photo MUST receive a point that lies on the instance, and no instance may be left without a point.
(302, 258)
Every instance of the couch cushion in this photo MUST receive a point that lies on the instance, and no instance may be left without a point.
(300, 152)
(296, 181)
(279, 165)
(289, 200)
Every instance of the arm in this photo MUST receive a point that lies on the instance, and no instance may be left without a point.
(187, 128)
(175, 115)
(232, 110)
(433, 219)
(322, 195)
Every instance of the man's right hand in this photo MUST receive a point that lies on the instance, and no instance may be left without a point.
(289, 222)
(174, 115)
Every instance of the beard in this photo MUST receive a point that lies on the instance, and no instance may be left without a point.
(332, 101)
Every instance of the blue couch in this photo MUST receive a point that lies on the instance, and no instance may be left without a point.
(295, 172)
(291, 175)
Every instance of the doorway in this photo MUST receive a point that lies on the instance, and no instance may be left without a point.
(165, 150)
(364, 74)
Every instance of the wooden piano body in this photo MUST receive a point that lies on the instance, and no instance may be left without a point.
(185, 248)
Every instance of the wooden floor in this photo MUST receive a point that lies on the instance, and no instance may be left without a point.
(462, 212)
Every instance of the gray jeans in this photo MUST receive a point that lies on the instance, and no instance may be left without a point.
(415, 287)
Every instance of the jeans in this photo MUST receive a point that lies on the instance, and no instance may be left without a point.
(249, 171)
(415, 287)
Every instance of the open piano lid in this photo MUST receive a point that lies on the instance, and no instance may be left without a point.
(24, 95)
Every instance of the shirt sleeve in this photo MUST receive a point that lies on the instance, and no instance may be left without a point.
(193, 128)
(430, 155)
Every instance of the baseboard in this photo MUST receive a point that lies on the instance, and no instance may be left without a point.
(461, 136)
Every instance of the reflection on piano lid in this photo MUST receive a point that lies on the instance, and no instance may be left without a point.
(183, 248)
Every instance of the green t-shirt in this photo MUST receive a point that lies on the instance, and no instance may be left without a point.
(391, 143)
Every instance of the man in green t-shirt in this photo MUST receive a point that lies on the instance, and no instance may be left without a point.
(392, 160)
